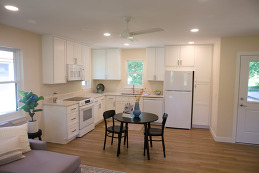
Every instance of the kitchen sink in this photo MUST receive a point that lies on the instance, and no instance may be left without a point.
(130, 94)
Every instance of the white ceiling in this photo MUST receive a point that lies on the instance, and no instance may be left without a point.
(86, 20)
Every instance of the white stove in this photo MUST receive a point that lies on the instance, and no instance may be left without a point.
(86, 115)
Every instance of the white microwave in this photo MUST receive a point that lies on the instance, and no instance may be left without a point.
(75, 72)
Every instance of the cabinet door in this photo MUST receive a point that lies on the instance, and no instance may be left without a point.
(113, 64)
(187, 56)
(59, 60)
(96, 112)
(171, 56)
(203, 62)
(201, 104)
(160, 64)
(119, 107)
(151, 63)
(78, 54)
(86, 60)
(99, 64)
(110, 103)
(70, 52)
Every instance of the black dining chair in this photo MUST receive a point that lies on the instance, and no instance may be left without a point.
(114, 129)
(157, 132)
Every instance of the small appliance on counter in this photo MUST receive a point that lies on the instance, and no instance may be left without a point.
(100, 88)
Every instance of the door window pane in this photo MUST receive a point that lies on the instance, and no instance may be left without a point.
(253, 82)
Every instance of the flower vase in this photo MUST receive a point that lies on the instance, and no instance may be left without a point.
(136, 111)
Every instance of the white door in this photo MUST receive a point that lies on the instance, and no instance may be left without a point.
(113, 64)
(171, 56)
(248, 110)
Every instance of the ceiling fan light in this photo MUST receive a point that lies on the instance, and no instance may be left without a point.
(130, 37)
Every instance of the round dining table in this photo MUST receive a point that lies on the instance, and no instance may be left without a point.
(144, 118)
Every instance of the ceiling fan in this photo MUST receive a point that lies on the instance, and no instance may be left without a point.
(130, 35)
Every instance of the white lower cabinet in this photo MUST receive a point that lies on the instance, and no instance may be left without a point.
(110, 103)
(120, 102)
(155, 106)
(61, 123)
(99, 108)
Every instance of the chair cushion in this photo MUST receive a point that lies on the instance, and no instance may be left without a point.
(41, 161)
(155, 132)
(116, 129)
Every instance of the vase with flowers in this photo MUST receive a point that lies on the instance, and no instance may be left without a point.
(137, 111)
(30, 101)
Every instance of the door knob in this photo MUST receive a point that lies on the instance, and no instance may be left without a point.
(243, 105)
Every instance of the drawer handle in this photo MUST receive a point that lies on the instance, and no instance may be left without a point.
(73, 130)
(73, 109)
(73, 118)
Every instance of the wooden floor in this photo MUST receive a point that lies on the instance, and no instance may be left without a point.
(186, 151)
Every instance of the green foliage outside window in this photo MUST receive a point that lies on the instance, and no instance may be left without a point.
(253, 84)
(135, 73)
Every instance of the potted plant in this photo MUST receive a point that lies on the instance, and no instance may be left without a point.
(158, 92)
(30, 101)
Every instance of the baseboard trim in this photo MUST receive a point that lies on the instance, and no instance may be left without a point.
(221, 139)
(200, 126)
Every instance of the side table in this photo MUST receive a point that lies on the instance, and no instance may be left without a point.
(35, 135)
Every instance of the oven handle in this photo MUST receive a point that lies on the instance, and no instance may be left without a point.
(87, 106)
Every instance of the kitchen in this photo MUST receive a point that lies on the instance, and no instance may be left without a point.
(246, 43)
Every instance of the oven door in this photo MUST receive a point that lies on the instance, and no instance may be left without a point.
(86, 115)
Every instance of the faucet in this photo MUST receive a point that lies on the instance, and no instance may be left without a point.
(133, 89)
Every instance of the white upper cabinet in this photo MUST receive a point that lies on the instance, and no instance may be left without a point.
(203, 63)
(99, 64)
(107, 64)
(74, 53)
(155, 64)
(53, 60)
(182, 56)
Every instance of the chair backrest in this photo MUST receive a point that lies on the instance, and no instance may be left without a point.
(108, 114)
(164, 121)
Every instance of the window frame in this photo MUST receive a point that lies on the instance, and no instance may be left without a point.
(18, 80)
(127, 72)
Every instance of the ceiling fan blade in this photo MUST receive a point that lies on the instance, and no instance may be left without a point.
(146, 31)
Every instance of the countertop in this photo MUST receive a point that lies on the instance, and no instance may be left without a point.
(95, 95)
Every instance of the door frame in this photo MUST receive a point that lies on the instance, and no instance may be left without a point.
(236, 97)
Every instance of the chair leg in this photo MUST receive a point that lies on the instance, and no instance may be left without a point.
(163, 143)
(112, 138)
(127, 139)
(104, 140)
(125, 133)
(150, 140)
(144, 146)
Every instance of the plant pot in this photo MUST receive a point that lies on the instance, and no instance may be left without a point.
(136, 111)
(33, 126)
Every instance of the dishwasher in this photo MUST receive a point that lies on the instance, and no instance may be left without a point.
(154, 105)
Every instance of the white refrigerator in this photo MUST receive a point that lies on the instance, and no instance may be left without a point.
(178, 92)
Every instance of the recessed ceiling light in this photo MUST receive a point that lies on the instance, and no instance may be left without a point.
(107, 34)
(126, 44)
(190, 42)
(11, 8)
(195, 30)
